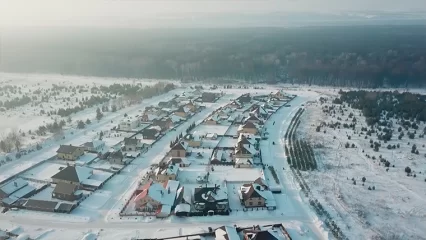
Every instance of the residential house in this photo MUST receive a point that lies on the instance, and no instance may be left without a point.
(132, 144)
(116, 157)
(191, 106)
(193, 140)
(181, 162)
(66, 191)
(164, 173)
(245, 98)
(274, 232)
(211, 199)
(211, 136)
(256, 195)
(243, 162)
(248, 127)
(235, 105)
(182, 112)
(165, 123)
(69, 152)
(253, 119)
(169, 104)
(148, 117)
(280, 95)
(208, 97)
(179, 149)
(72, 174)
(151, 133)
(212, 120)
(228, 233)
(129, 123)
(260, 112)
(95, 146)
(160, 198)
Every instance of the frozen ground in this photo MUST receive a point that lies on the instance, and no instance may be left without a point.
(395, 209)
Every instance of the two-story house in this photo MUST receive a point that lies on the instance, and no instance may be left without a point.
(69, 152)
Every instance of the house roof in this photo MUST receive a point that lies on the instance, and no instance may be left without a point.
(13, 186)
(180, 146)
(244, 161)
(65, 188)
(164, 194)
(116, 154)
(243, 139)
(67, 149)
(245, 149)
(41, 204)
(73, 174)
(249, 125)
(226, 233)
(210, 194)
(130, 141)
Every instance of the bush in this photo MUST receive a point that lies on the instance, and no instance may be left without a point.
(408, 170)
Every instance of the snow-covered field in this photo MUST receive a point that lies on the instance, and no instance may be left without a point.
(395, 208)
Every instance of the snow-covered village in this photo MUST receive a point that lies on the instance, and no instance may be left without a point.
(91, 158)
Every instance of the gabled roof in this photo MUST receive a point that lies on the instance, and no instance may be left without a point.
(65, 188)
(73, 174)
(67, 149)
(116, 155)
(245, 149)
(251, 191)
(249, 125)
(243, 161)
(180, 146)
(12, 186)
(265, 235)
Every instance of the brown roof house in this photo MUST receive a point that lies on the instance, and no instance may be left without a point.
(182, 111)
(66, 191)
(248, 127)
(132, 144)
(165, 173)
(256, 195)
(179, 149)
(69, 152)
(164, 123)
(208, 97)
(116, 157)
(72, 174)
(151, 133)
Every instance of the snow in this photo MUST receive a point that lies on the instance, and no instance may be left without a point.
(205, 129)
(104, 219)
(13, 186)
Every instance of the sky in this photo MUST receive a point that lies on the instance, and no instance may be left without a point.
(133, 12)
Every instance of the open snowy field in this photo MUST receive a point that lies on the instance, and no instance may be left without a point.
(389, 204)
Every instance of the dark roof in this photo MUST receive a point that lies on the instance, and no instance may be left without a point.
(260, 181)
(252, 193)
(116, 154)
(264, 235)
(65, 188)
(41, 204)
(249, 125)
(180, 109)
(208, 96)
(67, 149)
(149, 132)
(65, 207)
(130, 141)
(253, 117)
(67, 174)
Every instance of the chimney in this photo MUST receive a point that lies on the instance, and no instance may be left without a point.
(161, 191)
(168, 190)
(15, 184)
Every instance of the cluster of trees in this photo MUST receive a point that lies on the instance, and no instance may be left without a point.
(378, 107)
(11, 141)
(174, 142)
(16, 102)
(300, 154)
(274, 174)
(192, 126)
(367, 56)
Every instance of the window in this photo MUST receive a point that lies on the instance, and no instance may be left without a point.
(259, 204)
(251, 203)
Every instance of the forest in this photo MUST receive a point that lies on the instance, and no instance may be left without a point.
(358, 56)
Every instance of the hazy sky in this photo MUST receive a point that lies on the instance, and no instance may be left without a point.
(128, 12)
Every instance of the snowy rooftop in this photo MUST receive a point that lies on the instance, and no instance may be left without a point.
(13, 186)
